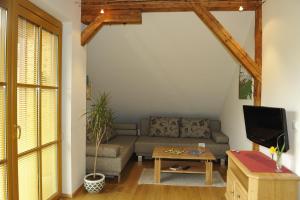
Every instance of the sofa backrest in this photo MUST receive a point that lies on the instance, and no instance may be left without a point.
(144, 127)
(125, 129)
(214, 125)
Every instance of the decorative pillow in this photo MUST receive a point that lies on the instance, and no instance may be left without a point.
(195, 128)
(164, 127)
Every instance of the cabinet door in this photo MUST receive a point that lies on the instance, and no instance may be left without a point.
(239, 193)
(230, 186)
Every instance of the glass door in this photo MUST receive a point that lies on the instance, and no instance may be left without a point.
(3, 106)
(28, 109)
(37, 111)
(30, 99)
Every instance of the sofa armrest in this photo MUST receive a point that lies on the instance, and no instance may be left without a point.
(105, 150)
(220, 137)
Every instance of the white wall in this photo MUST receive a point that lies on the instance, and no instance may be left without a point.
(232, 112)
(281, 83)
(281, 68)
(73, 91)
(171, 64)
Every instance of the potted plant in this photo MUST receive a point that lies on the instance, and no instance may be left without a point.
(99, 121)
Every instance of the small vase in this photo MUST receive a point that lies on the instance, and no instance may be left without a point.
(278, 164)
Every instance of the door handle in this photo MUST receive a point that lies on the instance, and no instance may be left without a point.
(19, 131)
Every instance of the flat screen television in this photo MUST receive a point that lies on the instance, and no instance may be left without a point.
(264, 125)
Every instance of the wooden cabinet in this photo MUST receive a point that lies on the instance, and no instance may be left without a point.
(239, 193)
(230, 186)
(243, 184)
(234, 190)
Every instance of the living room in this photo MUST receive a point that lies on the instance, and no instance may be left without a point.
(154, 66)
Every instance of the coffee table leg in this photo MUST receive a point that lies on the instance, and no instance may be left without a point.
(157, 168)
(208, 174)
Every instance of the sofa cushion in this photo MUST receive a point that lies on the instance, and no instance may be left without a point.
(195, 128)
(215, 125)
(124, 126)
(144, 127)
(105, 150)
(90, 137)
(220, 137)
(145, 144)
(110, 166)
(123, 140)
(125, 132)
(164, 127)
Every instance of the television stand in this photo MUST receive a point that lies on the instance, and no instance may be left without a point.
(251, 176)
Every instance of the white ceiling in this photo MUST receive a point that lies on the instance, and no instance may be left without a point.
(171, 64)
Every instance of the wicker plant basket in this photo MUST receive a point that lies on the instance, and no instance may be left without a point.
(94, 186)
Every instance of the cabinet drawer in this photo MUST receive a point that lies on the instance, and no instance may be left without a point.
(239, 193)
(230, 186)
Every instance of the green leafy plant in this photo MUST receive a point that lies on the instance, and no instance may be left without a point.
(99, 121)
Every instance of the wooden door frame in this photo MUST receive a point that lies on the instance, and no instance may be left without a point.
(132, 14)
(27, 9)
(6, 4)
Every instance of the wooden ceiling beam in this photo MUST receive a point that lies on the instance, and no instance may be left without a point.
(258, 60)
(229, 42)
(112, 17)
(258, 54)
(90, 9)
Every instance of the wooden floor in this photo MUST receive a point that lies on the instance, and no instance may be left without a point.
(128, 189)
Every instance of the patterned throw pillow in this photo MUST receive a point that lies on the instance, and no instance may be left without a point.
(195, 128)
(164, 127)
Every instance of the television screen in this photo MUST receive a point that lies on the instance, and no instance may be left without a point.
(264, 125)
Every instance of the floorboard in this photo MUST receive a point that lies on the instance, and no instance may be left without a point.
(128, 188)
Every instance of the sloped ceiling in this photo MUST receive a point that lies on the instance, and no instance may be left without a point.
(171, 65)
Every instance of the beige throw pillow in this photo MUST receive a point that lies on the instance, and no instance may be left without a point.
(195, 128)
(164, 127)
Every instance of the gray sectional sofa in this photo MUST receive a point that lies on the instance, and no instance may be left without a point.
(218, 143)
(124, 141)
(115, 151)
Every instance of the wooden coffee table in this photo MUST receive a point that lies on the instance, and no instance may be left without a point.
(161, 153)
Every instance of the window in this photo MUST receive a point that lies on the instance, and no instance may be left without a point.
(30, 89)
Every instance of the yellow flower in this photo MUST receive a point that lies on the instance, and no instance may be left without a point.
(272, 150)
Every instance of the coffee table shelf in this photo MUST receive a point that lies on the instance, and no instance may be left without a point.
(192, 170)
(162, 153)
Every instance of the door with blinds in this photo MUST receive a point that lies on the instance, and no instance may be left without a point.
(30, 91)
(37, 111)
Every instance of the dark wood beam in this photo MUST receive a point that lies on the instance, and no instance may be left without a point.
(258, 37)
(92, 29)
(229, 42)
(258, 60)
(112, 17)
(258, 53)
(91, 8)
